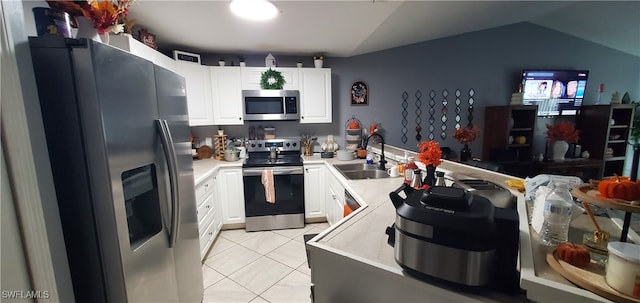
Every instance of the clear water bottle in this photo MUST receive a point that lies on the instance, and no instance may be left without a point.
(557, 215)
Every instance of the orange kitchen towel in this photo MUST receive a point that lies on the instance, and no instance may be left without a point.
(267, 182)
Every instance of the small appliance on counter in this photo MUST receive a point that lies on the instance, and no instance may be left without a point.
(452, 235)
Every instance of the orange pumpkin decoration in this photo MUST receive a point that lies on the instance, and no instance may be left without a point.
(619, 187)
(354, 125)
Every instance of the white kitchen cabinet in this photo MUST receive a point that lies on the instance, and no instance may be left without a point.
(334, 199)
(251, 77)
(315, 95)
(198, 80)
(209, 221)
(226, 94)
(314, 191)
(128, 43)
(231, 194)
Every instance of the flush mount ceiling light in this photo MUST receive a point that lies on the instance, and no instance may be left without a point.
(254, 9)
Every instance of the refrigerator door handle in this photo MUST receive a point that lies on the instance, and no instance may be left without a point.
(172, 164)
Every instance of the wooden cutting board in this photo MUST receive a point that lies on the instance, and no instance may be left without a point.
(590, 278)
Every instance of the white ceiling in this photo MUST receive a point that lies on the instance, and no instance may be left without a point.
(348, 28)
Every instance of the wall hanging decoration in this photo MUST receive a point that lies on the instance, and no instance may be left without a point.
(359, 93)
(418, 112)
(471, 101)
(458, 108)
(432, 112)
(444, 111)
(271, 79)
(404, 121)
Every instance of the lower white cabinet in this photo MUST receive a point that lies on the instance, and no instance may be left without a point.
(208, 212)
(231, 194)
(334, 199)
(314, 191)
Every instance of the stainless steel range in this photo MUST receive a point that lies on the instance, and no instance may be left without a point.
(273, 184)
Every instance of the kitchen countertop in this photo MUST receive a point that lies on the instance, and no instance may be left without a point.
(361, 235)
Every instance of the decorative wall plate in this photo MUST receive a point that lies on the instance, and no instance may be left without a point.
(359, 93)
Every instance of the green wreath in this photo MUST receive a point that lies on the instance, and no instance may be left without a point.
(271, 79)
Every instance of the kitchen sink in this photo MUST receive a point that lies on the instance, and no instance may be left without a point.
(358, 171)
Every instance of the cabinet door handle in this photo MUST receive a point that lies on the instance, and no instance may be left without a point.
(239, 118)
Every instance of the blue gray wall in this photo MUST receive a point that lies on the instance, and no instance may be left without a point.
(489, 61)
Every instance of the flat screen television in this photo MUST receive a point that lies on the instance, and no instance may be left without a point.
(556, 92)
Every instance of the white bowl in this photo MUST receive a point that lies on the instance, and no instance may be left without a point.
(345, 154)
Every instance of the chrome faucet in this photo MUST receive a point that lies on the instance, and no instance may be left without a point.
(382, 160)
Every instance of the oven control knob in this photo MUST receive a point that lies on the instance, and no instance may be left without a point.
(288, 144)
(259, 144)
(253, 145)
(294, 144)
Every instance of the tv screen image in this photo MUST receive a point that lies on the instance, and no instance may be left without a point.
(556, 92)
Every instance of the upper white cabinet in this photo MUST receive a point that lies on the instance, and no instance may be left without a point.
(128, 43)
(315, 95)
(251, 77)
(226, 92)
(198, 78)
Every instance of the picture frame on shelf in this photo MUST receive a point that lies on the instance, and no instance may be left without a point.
(359, 93)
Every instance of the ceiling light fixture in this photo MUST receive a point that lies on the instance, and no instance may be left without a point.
(258, 10)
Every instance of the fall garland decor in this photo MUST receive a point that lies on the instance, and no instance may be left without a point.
(271, 79)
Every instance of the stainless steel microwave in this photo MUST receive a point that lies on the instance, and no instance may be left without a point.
(271, 104)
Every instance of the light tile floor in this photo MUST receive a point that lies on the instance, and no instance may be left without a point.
(262, 266)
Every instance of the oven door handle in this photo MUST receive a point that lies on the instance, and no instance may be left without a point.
(276, 171)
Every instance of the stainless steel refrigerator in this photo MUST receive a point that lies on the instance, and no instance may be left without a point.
(118, 139)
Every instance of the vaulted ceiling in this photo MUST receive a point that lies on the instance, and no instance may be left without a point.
(348, 28)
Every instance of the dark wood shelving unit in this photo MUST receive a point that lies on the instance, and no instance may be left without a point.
(509, 121)
(598, 134)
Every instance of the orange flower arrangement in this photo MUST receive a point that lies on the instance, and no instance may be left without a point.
(106, 15)
(430, 153)
(466, 135)
(562, 131)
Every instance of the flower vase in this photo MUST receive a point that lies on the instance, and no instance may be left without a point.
(86, 29)
(465, 153)
(558, 150)
(430, 178)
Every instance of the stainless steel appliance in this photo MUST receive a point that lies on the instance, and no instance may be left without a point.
(271, 104)
(453, 235)
(275, 165)
(118, 138)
